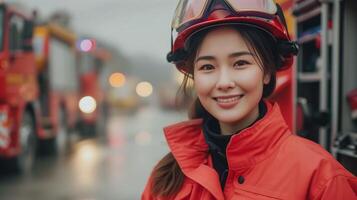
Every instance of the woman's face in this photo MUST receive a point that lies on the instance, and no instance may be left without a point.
(228, 79)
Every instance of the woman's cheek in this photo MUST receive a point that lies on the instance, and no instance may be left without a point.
(250, 80)
(203, 83)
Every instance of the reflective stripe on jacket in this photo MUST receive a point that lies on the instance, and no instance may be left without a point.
(265, 162)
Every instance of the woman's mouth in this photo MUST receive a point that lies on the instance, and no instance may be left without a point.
(227, 101)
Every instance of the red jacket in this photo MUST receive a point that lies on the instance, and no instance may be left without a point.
(265, 162)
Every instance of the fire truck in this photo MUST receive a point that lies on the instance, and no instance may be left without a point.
(91, 60)
(318, 95)
(55, 51)
(327, 74)
(19, 91)
(38, 87)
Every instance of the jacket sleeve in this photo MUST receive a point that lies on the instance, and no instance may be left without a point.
(339, 187)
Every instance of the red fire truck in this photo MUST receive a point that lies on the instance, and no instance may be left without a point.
(318, 94)
(92, 59)
(19, 109)
(38, 89)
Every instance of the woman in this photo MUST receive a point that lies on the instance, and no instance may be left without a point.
(237, 145)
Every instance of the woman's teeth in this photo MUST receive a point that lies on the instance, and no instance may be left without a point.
(228, 100)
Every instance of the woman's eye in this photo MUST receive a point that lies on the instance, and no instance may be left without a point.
(241, 63)
(206, 67)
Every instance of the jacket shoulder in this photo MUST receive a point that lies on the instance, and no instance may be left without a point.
(310, 153)
(309, 157)
(322, 168)
(302, 146)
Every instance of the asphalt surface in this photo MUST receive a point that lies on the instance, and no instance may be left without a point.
(114, 165)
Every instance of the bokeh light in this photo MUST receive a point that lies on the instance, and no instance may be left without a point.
(87, 153)
(117, 79)
(144, 89)
(85, 160)
(87, 104)
(86, 45)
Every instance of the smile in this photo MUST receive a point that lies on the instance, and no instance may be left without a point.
(228, 101)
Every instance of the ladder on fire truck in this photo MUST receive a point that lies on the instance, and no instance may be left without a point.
(326, 73)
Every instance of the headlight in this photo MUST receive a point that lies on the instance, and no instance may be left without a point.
(87, 104)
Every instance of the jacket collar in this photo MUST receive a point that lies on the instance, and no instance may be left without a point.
(188, 146)
(250, 146)
(257, 142)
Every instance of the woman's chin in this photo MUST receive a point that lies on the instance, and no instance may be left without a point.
(227, 119)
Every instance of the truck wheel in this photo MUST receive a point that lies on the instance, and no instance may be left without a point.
(23, 163)
(60, 143)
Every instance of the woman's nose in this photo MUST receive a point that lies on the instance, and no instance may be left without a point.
(225, 80)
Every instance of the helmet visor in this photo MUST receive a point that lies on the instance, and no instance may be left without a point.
(188, 10)
(263, 6)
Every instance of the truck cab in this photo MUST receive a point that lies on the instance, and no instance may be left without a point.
(19, 129)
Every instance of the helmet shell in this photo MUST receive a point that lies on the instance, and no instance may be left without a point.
(272, 25)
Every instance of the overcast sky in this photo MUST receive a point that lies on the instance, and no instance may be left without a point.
(135, 26)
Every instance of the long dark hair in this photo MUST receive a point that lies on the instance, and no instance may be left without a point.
(167, 177)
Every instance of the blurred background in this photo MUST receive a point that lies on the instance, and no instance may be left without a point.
(85, 91)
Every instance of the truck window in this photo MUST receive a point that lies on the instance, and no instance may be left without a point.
(16, 29)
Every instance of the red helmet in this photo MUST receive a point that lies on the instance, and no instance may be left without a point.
(192, 16)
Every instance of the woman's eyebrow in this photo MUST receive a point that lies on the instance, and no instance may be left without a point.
(235, 54)
(240, 53)
(204, 58)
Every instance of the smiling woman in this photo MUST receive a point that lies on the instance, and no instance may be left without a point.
(236, 138)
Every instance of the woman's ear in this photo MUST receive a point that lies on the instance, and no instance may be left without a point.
(266, 78)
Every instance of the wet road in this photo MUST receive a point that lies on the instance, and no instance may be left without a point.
(113, 166)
